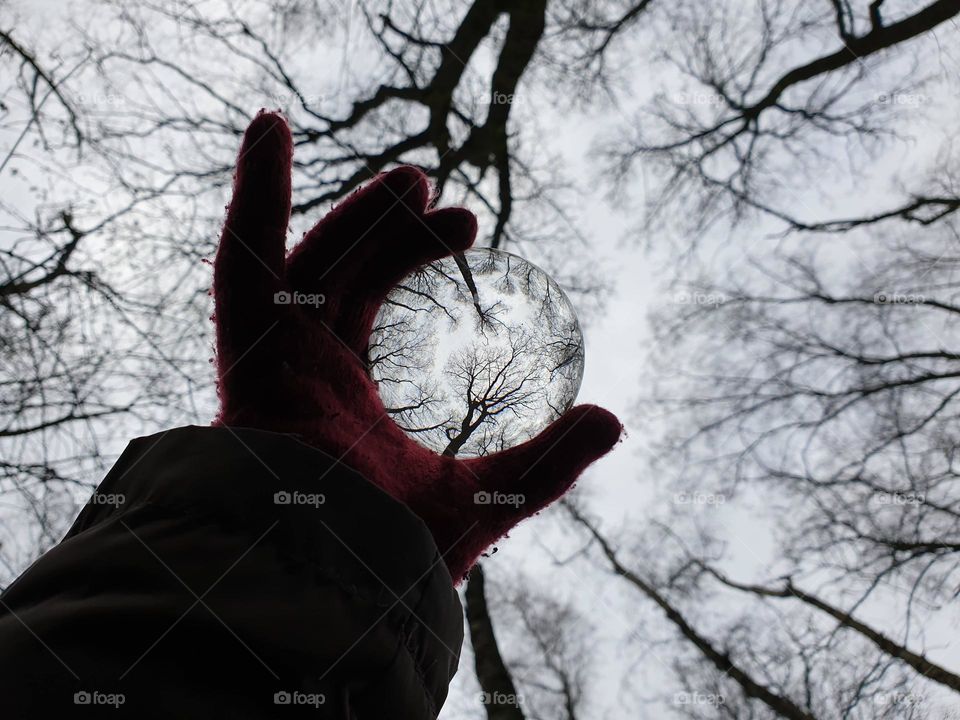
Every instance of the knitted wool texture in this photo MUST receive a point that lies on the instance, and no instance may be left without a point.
(300, 368)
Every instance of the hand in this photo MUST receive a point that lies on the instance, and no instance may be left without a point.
(300, 367)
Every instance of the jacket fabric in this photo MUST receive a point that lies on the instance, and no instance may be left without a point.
(233, 573)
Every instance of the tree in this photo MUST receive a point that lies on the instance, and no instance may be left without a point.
(833, 405)
(759, 110)
(80, 339)
(808, 374)
(800, 189)
(545, 670)
(120, 131)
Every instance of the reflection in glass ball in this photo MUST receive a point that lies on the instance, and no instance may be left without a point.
(476, 353)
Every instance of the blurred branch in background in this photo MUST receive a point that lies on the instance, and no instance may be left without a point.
(750, 119)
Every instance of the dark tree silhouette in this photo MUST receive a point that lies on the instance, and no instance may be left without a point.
(816, 385)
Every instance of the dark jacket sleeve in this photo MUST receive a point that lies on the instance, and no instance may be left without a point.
(233, 573)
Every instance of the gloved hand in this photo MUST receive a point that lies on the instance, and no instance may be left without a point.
(300, 367)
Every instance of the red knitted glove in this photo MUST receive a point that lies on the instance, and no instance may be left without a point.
(300, 368)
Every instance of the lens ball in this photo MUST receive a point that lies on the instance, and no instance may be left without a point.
(476, 353)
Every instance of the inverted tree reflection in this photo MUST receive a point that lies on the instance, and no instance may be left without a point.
(476, 353)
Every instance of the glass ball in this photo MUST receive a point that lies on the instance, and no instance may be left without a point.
(476, 353)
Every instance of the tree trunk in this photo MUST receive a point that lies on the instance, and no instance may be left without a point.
(499, 693)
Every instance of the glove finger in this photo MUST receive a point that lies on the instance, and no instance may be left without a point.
(539, 471)
(487, 496)
(511, 485)
(443, 232)
(434, 236)
(335, 255)
(248, 270)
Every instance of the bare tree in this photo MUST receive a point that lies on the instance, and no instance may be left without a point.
(80, 336)
(833, 404)
(500, 697)
(539, 664)
(765, 663)
(809, 370)
(119, 132)
(768, 97)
